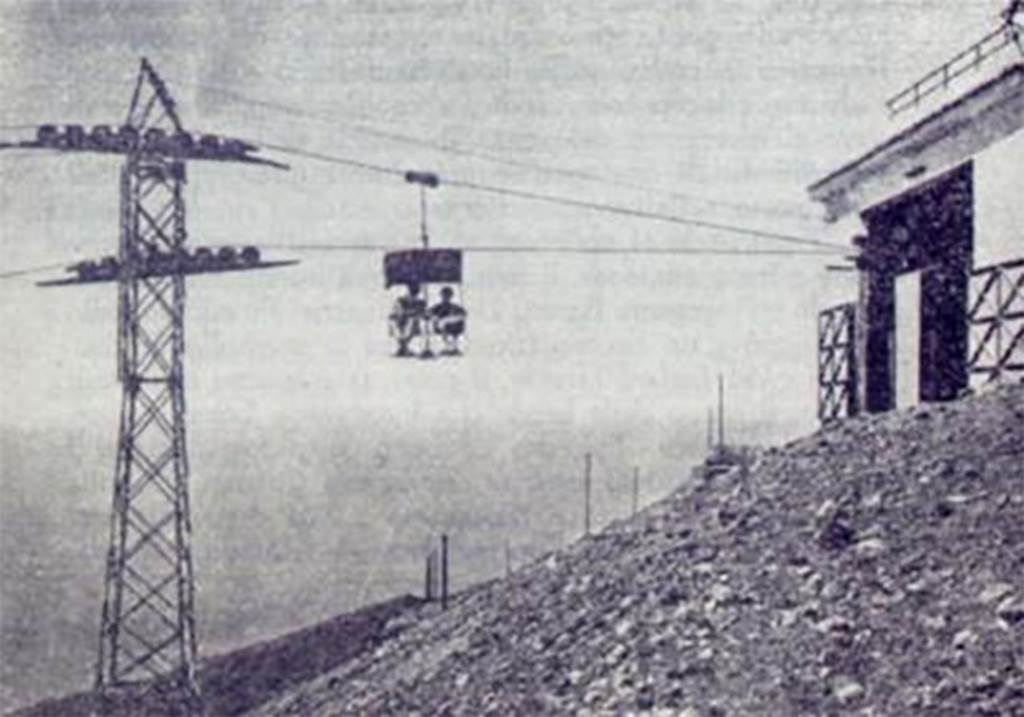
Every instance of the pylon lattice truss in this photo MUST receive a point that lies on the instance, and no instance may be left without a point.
(148, 626)
(148, 618)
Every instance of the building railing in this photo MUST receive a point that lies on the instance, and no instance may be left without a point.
(1007, 34)
(996, 323)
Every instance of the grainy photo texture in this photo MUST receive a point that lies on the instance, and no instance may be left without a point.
(469, 357)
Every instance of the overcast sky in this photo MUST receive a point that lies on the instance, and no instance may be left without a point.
(739, 105)
(744, 103)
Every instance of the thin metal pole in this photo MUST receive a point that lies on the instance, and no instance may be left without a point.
(428, 580)
(508, 559)
(636, 489)
(435, 576)
(586, 495)
(721, 410)
(444, 571)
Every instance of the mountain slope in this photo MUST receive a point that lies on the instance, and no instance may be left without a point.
(242, 679)
(873, 568)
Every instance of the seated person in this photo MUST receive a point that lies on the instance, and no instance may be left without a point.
(449, 320)
(406, 317)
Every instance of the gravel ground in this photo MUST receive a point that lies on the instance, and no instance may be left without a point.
(873, 568)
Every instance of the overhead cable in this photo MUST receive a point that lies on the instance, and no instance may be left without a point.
(552, 249)
(487, 156)
(565, 201)
(30, 270)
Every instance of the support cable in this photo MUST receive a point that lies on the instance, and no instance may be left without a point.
(553, 249)
(564, 201)
(487, 156)
(31, 270)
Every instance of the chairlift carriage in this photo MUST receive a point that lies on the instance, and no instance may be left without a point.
(414, 320)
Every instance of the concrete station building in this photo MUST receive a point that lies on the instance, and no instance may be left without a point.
(939, 211)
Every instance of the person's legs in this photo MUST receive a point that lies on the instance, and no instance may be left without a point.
(401, 330)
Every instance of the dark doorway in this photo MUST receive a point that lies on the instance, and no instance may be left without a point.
(929, 229)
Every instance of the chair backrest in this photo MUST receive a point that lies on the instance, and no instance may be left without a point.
(423, 266)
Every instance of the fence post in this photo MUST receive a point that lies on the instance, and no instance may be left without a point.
(428, 588)
(444, 571)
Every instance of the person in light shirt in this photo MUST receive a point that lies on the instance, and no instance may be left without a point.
(448, 320)
(406, 319)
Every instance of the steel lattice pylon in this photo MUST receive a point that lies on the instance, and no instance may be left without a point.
(148, 617)
(148, 630)
(148, 621)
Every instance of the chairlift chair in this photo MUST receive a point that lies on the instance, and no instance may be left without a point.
(414, 318)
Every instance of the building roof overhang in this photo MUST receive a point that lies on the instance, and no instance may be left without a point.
(942, 140)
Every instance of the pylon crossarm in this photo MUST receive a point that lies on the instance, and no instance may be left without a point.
(230, 150)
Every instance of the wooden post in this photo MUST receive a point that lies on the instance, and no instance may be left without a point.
(428, 587)
(444, 571)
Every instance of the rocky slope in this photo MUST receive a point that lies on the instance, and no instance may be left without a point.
(873, 568)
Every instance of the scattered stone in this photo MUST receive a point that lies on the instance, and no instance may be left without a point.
(964, 638)
(994, 591)
(834, 624)
(720, 593)
(837, 534)
(1011, 609)
(624, 627)
(887, 549)
(870, 548)
(848, 691)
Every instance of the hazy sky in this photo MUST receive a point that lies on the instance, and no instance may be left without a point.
(741, 102)
(293, 399)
